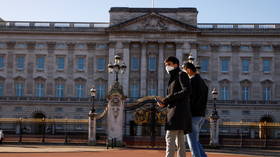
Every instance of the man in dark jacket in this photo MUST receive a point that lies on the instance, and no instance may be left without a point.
(178, 109)
(198, 102)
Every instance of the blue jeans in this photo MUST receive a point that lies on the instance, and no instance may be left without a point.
(193, 137)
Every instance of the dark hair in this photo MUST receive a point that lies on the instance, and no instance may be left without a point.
(189, 65)
(172, 59)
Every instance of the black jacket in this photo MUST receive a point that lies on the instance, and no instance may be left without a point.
(199, 96)
(178, 108)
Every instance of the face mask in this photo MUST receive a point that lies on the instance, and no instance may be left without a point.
(169, 68)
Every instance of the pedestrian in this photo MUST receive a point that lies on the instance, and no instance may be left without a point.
(178, 110)
(198, 104)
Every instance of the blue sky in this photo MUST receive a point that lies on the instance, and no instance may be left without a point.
(213, 11)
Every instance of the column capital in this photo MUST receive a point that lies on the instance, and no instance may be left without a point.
(51, 45)
(91, 46)
(11, 45)
(112, 44)
(276, 47)
(71, 45)
(126, 44)
(179, 45)
(193, 45)
(31, 45)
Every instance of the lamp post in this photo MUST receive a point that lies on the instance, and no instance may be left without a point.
(92, 94)
(117, 67)
(214, 125)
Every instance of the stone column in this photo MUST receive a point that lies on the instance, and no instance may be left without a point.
(50, 67)
(10, 68)
(91, 55)
(235, 71)
(179, 51)
(31, 59)
(256, 86)
(193, 49)
(112, 51)
(214, 63)
(276, 49)
(161, 70)
(125, 76)
(143, 77)
(69, 84)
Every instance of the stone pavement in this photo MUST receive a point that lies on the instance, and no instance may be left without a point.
(91, 151)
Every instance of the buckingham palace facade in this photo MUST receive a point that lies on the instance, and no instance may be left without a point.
(47, 68)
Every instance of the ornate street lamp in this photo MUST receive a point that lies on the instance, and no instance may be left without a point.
(191, 58)
(214, 125)
(117, 67)
(92, 94)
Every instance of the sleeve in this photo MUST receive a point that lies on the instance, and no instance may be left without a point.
(186, 89)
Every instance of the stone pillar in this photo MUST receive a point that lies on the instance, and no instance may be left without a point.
(70, 69)
(91, 63)
(143, 77)
(161, 70)
(125, 76)
(179, 51)
(10, 67)
(115, 116)
(256, 86)
(92, 129)
(31, 59)
(112, 50)
(194, 50)
(50, 67)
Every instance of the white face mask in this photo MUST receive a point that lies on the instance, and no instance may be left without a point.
(169, 68)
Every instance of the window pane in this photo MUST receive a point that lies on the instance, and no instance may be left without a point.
(245, 65)
(81, 63)
(134, 91)
(60, 63)
(266, 66)
(245, 93)
(59, 90)
(1, 61)
(267, 94)
(20, 62)
(225, 65)
(135, 62)
(224, 93)
(152, 63)
(19, 89)
(101, 91)
(1, 89)
(40, 89)
(101, 64)
(204, 65)
(80, 90)
(40, 62)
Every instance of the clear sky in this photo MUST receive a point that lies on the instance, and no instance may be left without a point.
(215, 11)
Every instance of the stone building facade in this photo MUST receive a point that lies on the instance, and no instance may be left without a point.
(47, 68)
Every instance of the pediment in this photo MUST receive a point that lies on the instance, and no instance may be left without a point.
(153, 22)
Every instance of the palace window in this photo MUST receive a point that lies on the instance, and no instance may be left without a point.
(40, 87)
(40, 62)
(59, 87)
(20, 62)
(60, 62)
(266, 65)
(1, 88)
(135, 63)
(81, 63)
(245, 93)
(224, 92)
(101, 91)
(152, 63)
(101, 64)
(204, 65)
(245, 65)
(224, 65)
(80, 87)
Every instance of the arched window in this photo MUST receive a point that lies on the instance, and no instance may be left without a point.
(19, 83)
(224, 90)
(267, 90)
